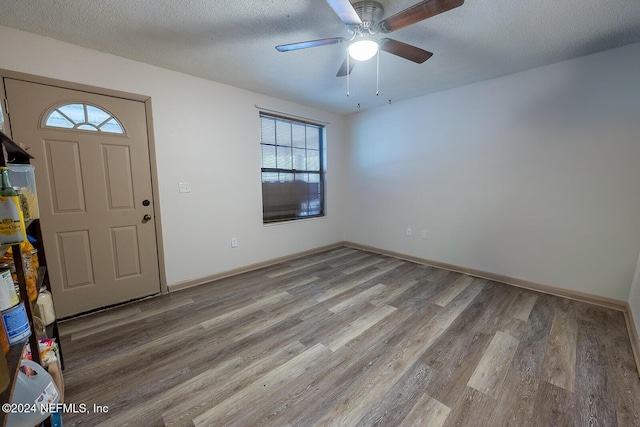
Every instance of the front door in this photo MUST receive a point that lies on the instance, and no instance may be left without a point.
(94, 192)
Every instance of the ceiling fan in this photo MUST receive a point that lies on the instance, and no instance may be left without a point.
(362, 19)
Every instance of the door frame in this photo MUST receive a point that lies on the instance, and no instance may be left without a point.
(150, 137)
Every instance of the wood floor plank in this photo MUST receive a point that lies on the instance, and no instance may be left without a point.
(453, 290)
(364, 296)
(215, 385)
(352, 259)
(83, 323)
(501, 298)
(529, 357)
(592, 398)
(522, 305)
(471, 409)
(560, 357)
(348, 337)
(492, 368)
(297, 266)
(360, 400)
(553, 406)
(146, 409)
(515, 404)
(358, 326)
(622, 372)
(247, 309)
(225, 411)
(418, 294)
(361, 354)
(390, 292)
(426, 412)
(455, 367)
(398, 401)
(129, 320)
(352, 283)
(362, 265)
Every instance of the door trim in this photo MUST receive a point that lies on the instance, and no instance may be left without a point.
(150, 137)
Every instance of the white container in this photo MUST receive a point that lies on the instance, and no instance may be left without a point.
(39, 390)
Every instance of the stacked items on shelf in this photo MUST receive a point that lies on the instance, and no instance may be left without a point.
(26, 306)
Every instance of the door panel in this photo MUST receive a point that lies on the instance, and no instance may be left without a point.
(65, 176)
(91, 185)
(124, 241)
(117, 166)
(75, 259)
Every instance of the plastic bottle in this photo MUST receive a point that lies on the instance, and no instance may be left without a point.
(45, 306)
(38, 389)
(30, 276)
(11, 220)
(16, 324)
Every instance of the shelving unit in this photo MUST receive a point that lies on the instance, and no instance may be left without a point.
(12, 153)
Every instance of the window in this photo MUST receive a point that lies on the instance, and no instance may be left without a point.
(292, 169)
(83, 117)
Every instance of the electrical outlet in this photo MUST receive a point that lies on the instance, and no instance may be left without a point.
(409, 232)
(184, 187)
(234, 242)
(424, 234)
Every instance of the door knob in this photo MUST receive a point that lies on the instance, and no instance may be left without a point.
(146, 218)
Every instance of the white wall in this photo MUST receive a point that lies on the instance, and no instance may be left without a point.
(533, 175)
(206, 134)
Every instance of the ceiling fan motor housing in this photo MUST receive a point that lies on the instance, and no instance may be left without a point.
(370, 12)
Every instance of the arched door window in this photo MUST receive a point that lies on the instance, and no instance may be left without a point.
(83, 117)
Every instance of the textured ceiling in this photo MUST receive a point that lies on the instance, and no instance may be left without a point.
(233, 42)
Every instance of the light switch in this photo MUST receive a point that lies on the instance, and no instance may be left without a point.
(184, 187)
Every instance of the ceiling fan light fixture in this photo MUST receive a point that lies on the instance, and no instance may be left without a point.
(362, 50)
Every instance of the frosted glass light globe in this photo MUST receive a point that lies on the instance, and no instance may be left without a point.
(362, 50)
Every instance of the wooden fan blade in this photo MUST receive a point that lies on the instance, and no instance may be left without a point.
(416, 13)
(343, 68)
(310, 43)
(345, 11)
(405, 51)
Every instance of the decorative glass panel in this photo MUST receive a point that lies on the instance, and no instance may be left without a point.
(83, 117)
(75, 112)
(96, 116)
(56, 119)
(112, 126)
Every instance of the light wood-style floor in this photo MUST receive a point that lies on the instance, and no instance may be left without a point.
(349, 338)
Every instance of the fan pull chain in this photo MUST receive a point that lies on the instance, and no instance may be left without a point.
(348, 73)
(378, 72)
